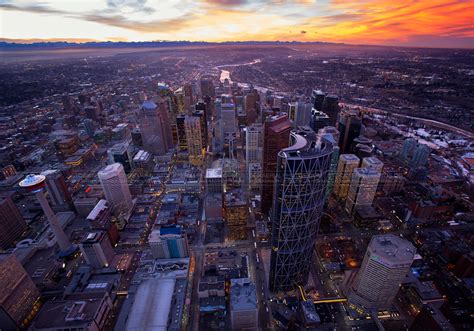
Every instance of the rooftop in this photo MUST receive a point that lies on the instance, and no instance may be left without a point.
(242, 294)
(391, 249)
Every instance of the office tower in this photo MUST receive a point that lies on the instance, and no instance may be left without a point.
(100, 218)
(180, 103)
(188, 96)
(201, 113)
(254, 143)
(228, 118)
(12, 223)
(92, 112)
(255, 176)
(214, 180)
(137, 137)
(243, 304)
(317, 99)
(218, 108)
(235, 213)
(331, 107)
(408, 149)
(349, 127)
(276, 136)
(121, 153)
(250, 100)
(345, 168)
(57, 187)
(207, 88)
(420, 156)
(323, 134)
(372, 162)
(181, 130)
(364, 182)
(168, 243)
(193, 137)
(69, 104)
(292, 110)
(298, 201)
(18, 295)
(385, 265)
(88, 126)
(319, 120)
(97, 249)
(155, 128)
(115, 186)
(36, 184)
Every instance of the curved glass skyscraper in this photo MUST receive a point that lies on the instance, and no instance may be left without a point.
(300, 186)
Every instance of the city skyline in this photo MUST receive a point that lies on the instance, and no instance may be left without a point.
(437, 23)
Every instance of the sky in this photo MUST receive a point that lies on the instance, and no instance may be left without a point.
(425, 23)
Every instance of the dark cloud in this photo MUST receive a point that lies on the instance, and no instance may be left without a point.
(227, 2)
(136, 5)
(36, 8)
(302, 31)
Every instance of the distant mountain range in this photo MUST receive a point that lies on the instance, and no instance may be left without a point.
(122, 44)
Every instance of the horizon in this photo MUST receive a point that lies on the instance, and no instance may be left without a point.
(431, 24)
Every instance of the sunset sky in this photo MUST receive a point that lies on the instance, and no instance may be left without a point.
(438, 23)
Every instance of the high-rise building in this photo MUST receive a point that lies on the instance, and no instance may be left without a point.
(89, 126)
(331, 107)
(155, 128)
(115, 186)
(12, 223)
(330, 136)
(181, 132)
(201, 113)
(372, 162)
(298, 202)
(349, 127)
(192, 126)
(276, 136)
(168, 243)
(255, 176)
(385, 266)
(214, 180)
(121, 153)
(18, 296)
(364, 182)
(97, 249)
(253, 143)
(207, 88)
(235, 214)
(408, 149)
(317, 99)
(137, 137)
(243, 305)
(319, 120)
(420, 157)
(345, 168)
(228, 118)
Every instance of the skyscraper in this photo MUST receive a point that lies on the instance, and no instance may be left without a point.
(345, 168)
(12, 223)
(181, 131)
(317, 99)
(155, 128)
(372, 162)
(115, 186)
(298, 201)
(408, 149)
(207, 88)
(364, 182)
(201, 113)
(228, 118)
(276, 136)
(168, 243)
(192, 126)
(385, 265)
(18, 294)
(331, 107)
(420, 157)
(97, 249)
(254, 143)
(349, 127)
(121, 153)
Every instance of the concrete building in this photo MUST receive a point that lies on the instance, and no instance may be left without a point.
(18, 296)
(385, 266)
(345, 167)
(300, 188)
(12, 224)
(235, 214)
(168, 243)
(253, 143)
(57, 187)
(155, 128)
(214, 180)
(255, 176)
(364, 183)
(228, 118)
(349, 126)
(243, 305)
(192, 126)
(276, 137)
(121, 153)
(115, 186)
(372, 162)
(97, 249)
